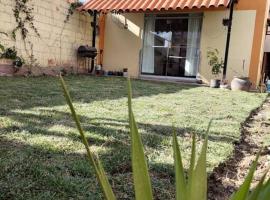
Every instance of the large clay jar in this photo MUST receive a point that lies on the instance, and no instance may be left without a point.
(241, 83)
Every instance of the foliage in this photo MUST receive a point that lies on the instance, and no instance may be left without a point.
(24, 18)
(194, 187)
(214, 61)
(11, 53)
(94, 161)
(72, 7)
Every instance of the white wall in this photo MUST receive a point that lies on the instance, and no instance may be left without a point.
(122, 46)
(214, 36)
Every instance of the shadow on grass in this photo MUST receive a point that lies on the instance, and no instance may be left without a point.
(34, 172)
(107, 128)
(25, 93)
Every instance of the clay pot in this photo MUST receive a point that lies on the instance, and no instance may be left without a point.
(6, 67)
(241, 84)
(214, 83)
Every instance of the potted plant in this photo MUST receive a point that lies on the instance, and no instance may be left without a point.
(241, 83)
(217, 65)
(18, 63)
(10, 62)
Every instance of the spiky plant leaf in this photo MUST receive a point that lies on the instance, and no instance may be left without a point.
(265, 191)
(94, 161)
(256, 192)
(243, 191)
(141, 178)
(198, 189)
(192, 165)
(180, 181)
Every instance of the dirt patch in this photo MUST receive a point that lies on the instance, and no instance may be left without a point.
(228, 176)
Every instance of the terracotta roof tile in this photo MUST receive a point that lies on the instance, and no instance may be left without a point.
(150, 5)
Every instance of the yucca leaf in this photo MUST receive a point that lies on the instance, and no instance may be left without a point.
(191, 166)
(265, 192)
(94, 161)
(180, 181)
(256, 192)
(141, 178)
(243, 191)
(199, 178)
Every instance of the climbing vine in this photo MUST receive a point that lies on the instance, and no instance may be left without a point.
(23, 14)
(71, 9)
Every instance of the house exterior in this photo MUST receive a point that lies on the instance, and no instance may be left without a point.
(169, 39)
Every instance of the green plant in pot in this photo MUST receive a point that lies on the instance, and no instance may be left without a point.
(217, 65)
(18, 63)
(241, 82)
(11, 58)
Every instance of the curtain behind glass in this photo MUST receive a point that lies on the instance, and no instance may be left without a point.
(148, 62)
(193, 40)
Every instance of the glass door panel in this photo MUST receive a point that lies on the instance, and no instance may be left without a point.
(167, 47)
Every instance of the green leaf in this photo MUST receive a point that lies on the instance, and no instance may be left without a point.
(198, 189)
(94, 161)
(243, 192)
(2, 48)
(142, 183)
(265, 192)
(256, 192)
(192, 165)
(181, 186)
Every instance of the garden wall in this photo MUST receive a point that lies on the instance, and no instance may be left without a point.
(56, 46)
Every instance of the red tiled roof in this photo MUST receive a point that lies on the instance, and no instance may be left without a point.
(151, 5)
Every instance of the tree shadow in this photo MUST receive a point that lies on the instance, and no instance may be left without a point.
(26, 93)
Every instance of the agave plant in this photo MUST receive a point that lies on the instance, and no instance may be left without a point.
(190, 187)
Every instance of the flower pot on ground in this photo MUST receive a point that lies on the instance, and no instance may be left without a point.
(217, 65)
(125, 72)
(215, 83)
(241, 84)
(6, 67)
(10, 63)
(224, 84)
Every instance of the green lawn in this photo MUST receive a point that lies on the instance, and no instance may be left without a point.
(41, 155)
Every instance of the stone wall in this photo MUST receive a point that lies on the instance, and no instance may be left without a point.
(56, 47)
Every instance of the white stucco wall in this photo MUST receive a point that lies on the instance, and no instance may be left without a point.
(214, 36)
(122, 46)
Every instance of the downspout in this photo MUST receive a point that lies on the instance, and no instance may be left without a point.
(232, 4)
(94, 26)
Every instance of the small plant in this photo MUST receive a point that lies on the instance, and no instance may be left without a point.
(72, 7)
(190, 187)
(18, 63)
(215, 62)
(23, 13)
(9, 53)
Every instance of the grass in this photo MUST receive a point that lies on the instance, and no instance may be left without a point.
(41, 154)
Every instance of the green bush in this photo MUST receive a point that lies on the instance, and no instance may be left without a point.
(192, 187)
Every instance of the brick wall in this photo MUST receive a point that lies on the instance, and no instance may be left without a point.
(56, 47)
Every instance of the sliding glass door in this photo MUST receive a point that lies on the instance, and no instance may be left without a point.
(171, 45)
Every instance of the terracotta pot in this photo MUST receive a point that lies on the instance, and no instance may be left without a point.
(214, 83)
(6, 67)
(241, 83)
